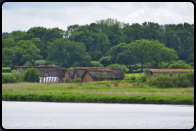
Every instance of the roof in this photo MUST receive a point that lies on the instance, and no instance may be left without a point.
(102, 74)
(70, 71)
(79, 72)
(170, 70)
(54, 71)
(98, 72)
(119, 71)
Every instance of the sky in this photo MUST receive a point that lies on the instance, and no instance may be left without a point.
(24, 15)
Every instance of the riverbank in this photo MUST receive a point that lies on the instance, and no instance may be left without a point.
(97, 92)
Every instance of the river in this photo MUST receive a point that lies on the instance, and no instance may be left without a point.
(64, 115)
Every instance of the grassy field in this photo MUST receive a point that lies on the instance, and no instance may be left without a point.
(5, 68)
(133, 74)
(98, 92)
(7, 73)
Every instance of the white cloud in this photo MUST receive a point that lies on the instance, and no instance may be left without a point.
(16, 16)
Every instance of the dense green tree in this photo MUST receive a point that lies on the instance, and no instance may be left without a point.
(8, 55)
(141, 49)
(159, 53)
(123, 54)
(65, 53)
(105, 60)
(26, 51)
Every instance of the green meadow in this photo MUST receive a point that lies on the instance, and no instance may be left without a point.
(97, 92)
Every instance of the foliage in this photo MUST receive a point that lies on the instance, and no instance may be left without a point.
(105, 60)
(31, 75)
(118, 66)
(28, 63)
(179, 66)
(96, 64)
(17, 75)
(133, 77)
(65, 53)
(78, 80)
(107, 41)
(39, 62)
(123, 54)
(181, 80)
(143, 78)
(8, 78)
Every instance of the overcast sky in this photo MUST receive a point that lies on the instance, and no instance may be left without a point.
(24, 15)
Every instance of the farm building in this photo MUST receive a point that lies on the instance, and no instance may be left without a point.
(78, 72)
(151, 72)
(47, 73)
(101, 74)
(69, 73)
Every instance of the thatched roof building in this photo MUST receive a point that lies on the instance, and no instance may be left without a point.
(119, 71)
(78, 72)
(101, 74)
(54, 71)
(69, 73)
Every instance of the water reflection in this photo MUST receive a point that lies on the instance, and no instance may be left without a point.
(43, 115)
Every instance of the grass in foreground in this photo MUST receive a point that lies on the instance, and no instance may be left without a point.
(101, 92)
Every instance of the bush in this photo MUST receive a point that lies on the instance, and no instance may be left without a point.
(39, 62)
(161, 81)
(96, 64)
(28, 63)
(78, 80)
(181, 80)
(143, 78)
(8, 78)
(133, 77)
(31, 75)
(183, 83)
(17, 75)
(179, 66)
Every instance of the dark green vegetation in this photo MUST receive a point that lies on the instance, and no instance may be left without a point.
(98, 92)
(31, 75)
(180, 80)
(102, 43)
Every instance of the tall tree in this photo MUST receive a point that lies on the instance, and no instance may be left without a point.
(65, 53)
(123, 54)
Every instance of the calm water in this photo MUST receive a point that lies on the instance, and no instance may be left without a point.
(46, 115)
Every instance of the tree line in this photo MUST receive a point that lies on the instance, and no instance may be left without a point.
(107, 41)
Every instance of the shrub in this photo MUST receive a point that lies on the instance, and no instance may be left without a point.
(8, 78)
(143, 78)
(17, 75)
(96, 64)
(78, 80)
(161, 81)
(133, 77)
(116, 84)
(39, 62)
(183, 83)
(31, 75)
(179, 66)
(28, 63)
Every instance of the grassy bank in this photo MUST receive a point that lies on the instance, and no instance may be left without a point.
(100, 92)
